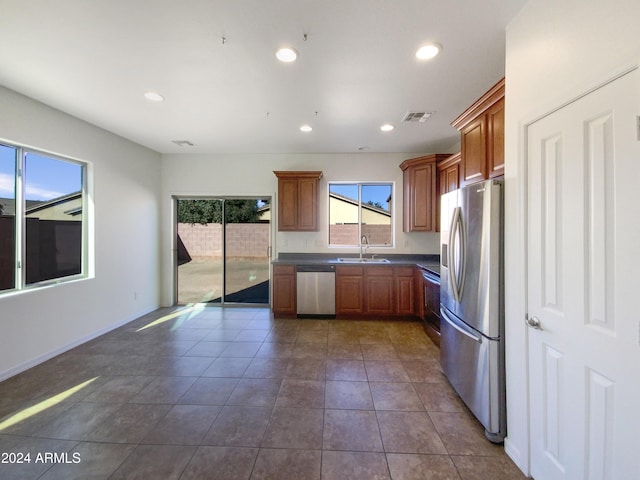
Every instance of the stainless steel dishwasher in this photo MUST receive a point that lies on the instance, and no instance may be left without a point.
(316, 290)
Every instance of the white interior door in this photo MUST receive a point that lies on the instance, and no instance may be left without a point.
(583, 266)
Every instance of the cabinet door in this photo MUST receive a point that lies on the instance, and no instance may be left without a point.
(284, 290)
(474, 153)
(423, 187)
(452, 178)
(495, 139)
(379, 294)
(405, 304)
(349, 295)
(287, 204)
(298, 200)
(307, 204)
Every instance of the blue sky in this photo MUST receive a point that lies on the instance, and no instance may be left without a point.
(47, 178)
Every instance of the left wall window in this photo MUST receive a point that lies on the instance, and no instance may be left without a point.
(42, 219)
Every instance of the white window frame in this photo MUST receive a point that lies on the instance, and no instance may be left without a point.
(360, 184)
(20, 284)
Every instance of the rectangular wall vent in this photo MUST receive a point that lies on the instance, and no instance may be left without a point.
(416, 117)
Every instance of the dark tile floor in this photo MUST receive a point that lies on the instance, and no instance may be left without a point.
(231, 393)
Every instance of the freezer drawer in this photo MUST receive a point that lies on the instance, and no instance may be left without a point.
(474, 366)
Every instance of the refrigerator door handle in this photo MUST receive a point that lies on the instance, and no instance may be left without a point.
(457, 254)
(455, 325)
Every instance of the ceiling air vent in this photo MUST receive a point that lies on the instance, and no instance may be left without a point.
(183, 143)
(416, 117)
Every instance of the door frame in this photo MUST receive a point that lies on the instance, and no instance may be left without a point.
(174, 258)
(516, 280)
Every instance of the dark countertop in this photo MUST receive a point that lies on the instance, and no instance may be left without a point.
(427, 262)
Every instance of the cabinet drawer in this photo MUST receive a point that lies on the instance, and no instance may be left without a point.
(284, 269)
(403, 271)
(379, 271)
(349, 270)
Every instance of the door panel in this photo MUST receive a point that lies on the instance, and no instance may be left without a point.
(584, 361)
(246, 252)
(199, 266)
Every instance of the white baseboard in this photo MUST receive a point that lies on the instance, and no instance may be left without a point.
(54, 353)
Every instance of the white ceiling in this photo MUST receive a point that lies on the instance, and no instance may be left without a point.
(95, 59)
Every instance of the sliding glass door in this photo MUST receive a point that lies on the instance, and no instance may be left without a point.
(222, 250)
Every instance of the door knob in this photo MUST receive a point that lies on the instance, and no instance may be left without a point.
(533, 322)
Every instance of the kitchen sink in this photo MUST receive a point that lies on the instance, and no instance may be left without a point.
(362, 260)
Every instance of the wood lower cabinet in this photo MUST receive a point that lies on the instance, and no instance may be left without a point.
(298, 200)
(379, 290)
(405, 291)
(284, 290)
(349, 290)
(375, 291)
(361, 291)
(481, 129)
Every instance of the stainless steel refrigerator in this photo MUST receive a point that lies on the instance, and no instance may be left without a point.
(472, 301)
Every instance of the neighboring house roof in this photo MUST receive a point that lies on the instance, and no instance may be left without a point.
(64, 206)
(264, 213)
(365, 206)
(55, 202)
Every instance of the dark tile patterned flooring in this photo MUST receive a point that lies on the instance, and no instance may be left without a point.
(231, 393)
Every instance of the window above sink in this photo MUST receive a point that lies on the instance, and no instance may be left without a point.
(361, 209)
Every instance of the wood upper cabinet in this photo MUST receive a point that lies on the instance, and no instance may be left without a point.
(482, 137)
(449, 172)
(284, 290)
(298, 200)
(495, 139)
(420, 193)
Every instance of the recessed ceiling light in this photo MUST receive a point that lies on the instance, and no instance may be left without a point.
(387, 127)
(153, 96)
(286, 54)
(428, 51)
(305, 128)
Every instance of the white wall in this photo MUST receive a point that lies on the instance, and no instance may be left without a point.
(253, 175)
(34, 325)
(556, 50)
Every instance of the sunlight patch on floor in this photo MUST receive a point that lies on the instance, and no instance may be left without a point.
(44, 405)
(192, 309)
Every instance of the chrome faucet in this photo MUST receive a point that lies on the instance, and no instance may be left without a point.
(363, 241)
